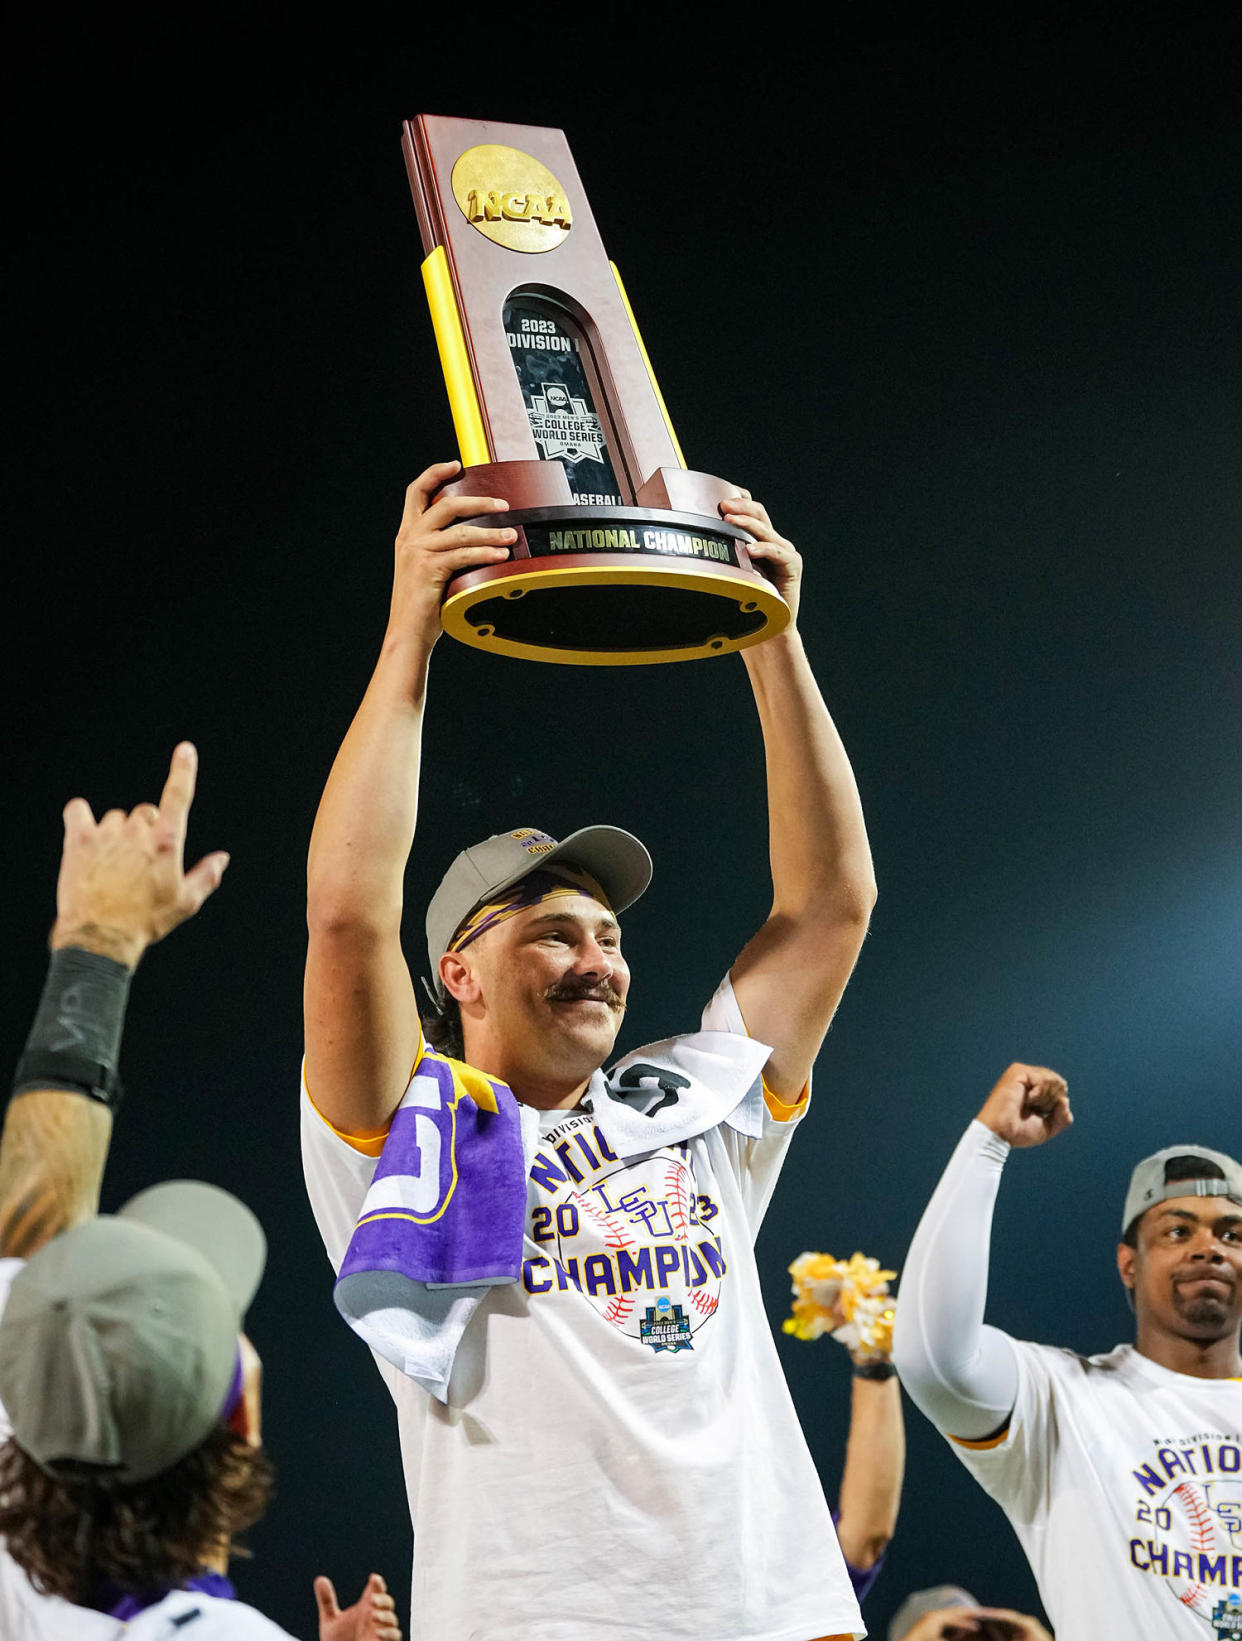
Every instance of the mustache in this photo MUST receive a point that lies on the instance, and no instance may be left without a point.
(570, 990)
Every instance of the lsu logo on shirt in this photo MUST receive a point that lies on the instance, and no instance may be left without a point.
(634, 1238)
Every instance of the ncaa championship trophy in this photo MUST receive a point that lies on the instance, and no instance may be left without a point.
(621, 554)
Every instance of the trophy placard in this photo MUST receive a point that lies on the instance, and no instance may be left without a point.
(621, 556)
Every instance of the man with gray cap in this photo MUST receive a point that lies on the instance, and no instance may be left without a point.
(129, 1398)
(134, 1452)
(554, 1265)
(1121, 1474)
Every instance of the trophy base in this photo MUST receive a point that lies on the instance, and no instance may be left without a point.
(621, 587)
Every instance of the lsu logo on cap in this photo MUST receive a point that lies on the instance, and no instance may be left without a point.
(534, 843)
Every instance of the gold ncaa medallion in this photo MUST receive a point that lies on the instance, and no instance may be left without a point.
(512, 198)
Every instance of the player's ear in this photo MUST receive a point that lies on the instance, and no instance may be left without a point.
(459, 978)
(1125, 1264)
(247, 1419)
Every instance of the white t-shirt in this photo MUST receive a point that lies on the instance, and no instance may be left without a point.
(25, 1615)
(619, 1457)
(1123, 1482)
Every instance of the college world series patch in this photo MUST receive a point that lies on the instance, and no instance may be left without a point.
(665, 1327)
(1227, 1618)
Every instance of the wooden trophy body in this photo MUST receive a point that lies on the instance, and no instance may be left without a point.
(621, 557)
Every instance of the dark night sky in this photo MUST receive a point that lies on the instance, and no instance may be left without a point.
(959, 300)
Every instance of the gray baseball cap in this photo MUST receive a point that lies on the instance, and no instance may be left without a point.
(118, 1343)
(617, 861)
(922, 1602)
(1149, 1186)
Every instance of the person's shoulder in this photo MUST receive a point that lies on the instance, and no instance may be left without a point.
(210, 1616)
(1078, 1373)
(1124, 1364)
(27, 1615)
(235, 1618)
(1127, 1364)
(1053, 1363)
(722, 1012)
(1121, 1360)
(1072, 1364)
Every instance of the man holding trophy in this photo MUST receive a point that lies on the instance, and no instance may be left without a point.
(553, 1263)
(596, 1435)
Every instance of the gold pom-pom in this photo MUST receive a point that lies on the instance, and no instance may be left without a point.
(848, 1298)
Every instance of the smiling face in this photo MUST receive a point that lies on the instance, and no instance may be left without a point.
(542, 996)
(1185, 1270)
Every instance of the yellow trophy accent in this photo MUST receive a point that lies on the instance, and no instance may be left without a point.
(665, 574)
(455, 361)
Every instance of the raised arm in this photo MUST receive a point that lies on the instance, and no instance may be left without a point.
(361, 1014)
(121, 888)
(790, 977)
(875, 1464)
(963, 1375)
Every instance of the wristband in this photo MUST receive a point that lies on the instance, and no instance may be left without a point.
(75, 1041)
(874, 1370)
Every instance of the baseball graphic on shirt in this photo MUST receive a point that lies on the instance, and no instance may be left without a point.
(634, 1242)
(1207, 1518)
(1193, 1529)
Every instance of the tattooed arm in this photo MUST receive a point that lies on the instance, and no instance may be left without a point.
(52, 1159)
(122, 887)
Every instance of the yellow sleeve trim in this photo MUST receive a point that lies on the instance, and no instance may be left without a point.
(781, 1110)
(371, 1143)
(982, 1446)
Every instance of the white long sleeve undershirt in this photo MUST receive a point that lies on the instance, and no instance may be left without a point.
(963, 1375)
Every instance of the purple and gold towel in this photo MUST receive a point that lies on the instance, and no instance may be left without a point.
(441, 1222)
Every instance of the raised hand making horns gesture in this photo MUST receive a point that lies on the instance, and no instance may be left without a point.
(122, 883)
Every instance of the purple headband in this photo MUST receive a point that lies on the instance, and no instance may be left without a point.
(528, 891)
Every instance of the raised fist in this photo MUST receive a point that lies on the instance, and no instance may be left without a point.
(1029, 1105)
